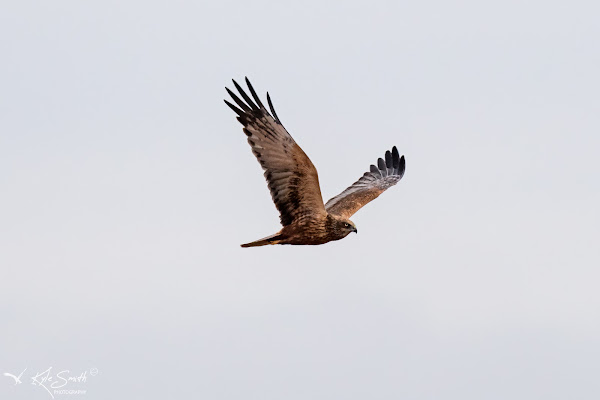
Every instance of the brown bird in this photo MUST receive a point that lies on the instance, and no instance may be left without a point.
(294, 183)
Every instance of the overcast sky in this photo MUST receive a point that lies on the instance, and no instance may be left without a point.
(128, 186)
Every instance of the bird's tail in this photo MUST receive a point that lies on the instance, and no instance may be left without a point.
(273, 239)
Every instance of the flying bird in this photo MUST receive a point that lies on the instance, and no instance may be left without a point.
(293, 181)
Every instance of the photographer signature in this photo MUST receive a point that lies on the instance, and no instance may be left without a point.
(49, 381)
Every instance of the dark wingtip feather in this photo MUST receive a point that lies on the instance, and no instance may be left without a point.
(375, 171)
(382, 167)
(239, 102)
(388, 159)
(256, 98)
(395, 159)
(234, 108)
(272, 108)
(245, 96)
(402, 167)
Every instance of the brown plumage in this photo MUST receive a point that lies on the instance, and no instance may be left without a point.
(294, 183)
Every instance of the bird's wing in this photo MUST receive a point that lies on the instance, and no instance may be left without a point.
(381, 177)
(291, 176)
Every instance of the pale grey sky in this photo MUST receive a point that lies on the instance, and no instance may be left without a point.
(127, 187)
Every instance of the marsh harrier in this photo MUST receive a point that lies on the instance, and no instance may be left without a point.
(294, 183)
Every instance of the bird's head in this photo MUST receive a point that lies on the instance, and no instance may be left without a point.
(345, 226)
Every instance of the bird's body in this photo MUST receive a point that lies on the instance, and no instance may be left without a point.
(294, 183)
(309, 231)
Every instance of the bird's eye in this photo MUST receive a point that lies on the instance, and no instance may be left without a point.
(347, 225)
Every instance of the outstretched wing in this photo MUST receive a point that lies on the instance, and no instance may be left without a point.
(386, 174)
(291, 176)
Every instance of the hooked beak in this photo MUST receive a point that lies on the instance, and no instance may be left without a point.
(355, 230)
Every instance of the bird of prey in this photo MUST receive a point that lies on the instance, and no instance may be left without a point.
(293, 181)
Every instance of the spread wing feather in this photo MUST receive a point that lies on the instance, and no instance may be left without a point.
(291, 176)
(386, 174)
